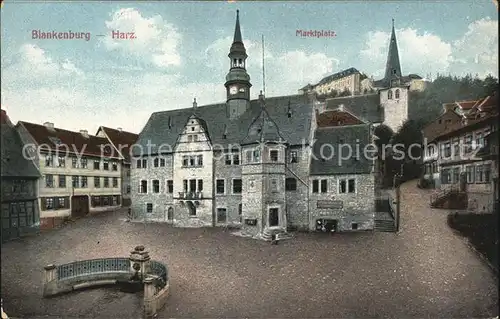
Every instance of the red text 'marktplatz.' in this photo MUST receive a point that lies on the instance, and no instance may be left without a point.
(315, 33)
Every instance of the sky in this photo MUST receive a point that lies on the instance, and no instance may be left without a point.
(180, 52)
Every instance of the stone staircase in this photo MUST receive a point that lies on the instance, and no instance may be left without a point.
(385, 225)
(449, 199)
(280, 232)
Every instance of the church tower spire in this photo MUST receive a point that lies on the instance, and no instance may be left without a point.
(393, 67)
(237, 80)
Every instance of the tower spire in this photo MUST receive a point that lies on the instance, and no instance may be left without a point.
(237, 30)
(393, 67)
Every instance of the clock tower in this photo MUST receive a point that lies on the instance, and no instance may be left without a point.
(237, 80)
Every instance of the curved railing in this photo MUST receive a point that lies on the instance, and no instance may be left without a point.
(137, 269)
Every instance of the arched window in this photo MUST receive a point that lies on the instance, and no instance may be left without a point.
(170, 213)
(389, 95)
(240, 62)
(397, 94)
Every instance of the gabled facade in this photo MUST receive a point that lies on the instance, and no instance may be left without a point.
(257, 163)
(19, 192)
(80, 173)
(122, 142)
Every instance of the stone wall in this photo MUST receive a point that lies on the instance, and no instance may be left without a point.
(228, 200)
(356, 208)
(298, 201)
(161, 201)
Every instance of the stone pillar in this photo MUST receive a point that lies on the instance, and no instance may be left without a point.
(50, 273)
(149, 291)
(139, 262)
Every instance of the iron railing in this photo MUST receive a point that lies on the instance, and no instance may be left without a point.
(87, 267)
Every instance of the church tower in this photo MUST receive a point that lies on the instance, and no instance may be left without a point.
(393, 67)
(394, 94)
(237, 80)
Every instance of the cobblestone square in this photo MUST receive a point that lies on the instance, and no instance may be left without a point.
(425, 271)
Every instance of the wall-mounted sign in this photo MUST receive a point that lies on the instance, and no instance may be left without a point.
(333, 204)
(251, 222)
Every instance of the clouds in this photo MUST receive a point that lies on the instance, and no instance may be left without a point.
(156, 41)
(423, 52)
(285, 72)
(32, 65)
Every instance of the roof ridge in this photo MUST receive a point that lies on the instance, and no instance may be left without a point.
(61, 129)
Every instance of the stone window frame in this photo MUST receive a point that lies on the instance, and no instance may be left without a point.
(216, 188)
(141, 188)
(479, 175)
(59, 179)
(271, 153)
(347, 179)
(277, 189)
(232, 186)
(148, 205)
(153, 186)
(97, 182)
(294, 158)
(170, 186)
(470, 172)
(389, 94)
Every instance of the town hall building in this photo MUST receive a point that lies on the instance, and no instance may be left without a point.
(277, 163)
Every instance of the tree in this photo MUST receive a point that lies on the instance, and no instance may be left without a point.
(346, 92)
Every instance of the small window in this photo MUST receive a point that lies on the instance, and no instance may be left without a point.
(354, 226)
(49, 181)
(84, 182)
(291, 184)
(97, 182)
(351, 186)
(185, 161)
(293, 157)
(149, 208)
(83, 162)
(76, 181)
(324, 186)
(190, 138)
(62, 181)
(236, 159)
(145, 163)
(170, 186)
(273, 155)
(156, 186)
(61, 161)
(192, 185)
(156, 162)
(106, 182)
(144, 187)
(200, 185)
(106, 165)
(389, 95)
(220, 186)
(192, 161)
(237, 186)
(228, 159)
(162, 162)
(195, 138)
(342, 186)
(315, 186)
(185, 185)
(200, 160)
(192, 129)
(397, 94)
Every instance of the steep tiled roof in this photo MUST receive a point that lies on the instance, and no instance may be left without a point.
(466, 105)
(121, 139)
(338, 75)
(366, 106)
(14, 164)
(471, 125)
(436, 128)
(336, 118)
(163, 128)
(69, 141)
(329, 163)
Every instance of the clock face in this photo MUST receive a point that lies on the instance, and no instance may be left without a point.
(233, 90)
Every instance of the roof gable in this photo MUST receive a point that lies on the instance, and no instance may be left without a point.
(121, 140)
(14, 164)
(366, 107)
(338, 117)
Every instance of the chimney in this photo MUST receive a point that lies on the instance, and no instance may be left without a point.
(49, 125)
(119, 129)
(85, 133)
(195, 105)
(5, 118)
(341, 107)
